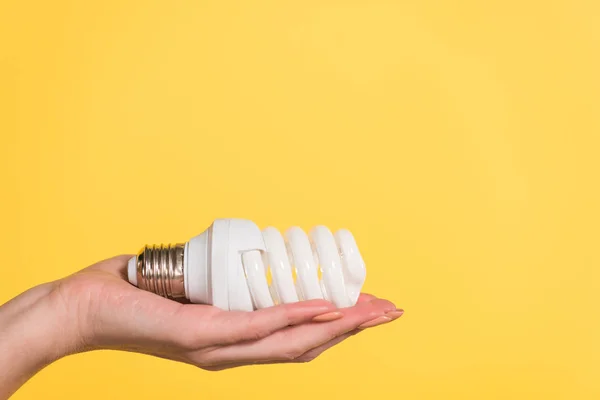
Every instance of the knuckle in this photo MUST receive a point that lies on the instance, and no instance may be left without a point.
(252, 335)
(292, 354)
(287, 356)
(286, 316)
(331, 335)
(255, 329)
(245, 328)
(203, 361)
(374, 313)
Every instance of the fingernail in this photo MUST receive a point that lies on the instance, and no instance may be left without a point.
(394, 314)
(375, 322)
(330, 316)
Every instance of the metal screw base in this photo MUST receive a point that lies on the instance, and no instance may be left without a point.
(160, 270)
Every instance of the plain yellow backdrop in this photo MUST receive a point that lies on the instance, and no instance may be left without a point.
(458, 140)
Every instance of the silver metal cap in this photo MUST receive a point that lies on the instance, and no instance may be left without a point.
(159, 270)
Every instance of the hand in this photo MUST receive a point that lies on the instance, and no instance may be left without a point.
(97, 308)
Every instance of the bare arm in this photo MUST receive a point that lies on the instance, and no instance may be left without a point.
(31, 337)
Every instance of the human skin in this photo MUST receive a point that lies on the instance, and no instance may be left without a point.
(96, 308)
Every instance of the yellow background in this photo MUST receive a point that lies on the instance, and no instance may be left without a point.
(458, 140)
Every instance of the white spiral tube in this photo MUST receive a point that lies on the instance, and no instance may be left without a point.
(235, 266)
(325, 266)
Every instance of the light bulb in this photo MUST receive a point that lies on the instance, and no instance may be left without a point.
(234, 266)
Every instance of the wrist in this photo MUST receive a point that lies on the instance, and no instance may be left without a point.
(35, 332)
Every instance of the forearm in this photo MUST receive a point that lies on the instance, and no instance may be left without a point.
(31, 337)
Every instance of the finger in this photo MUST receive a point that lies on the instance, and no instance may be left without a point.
(198, 329)
(306, 357)
(363, 297)
(317, 351)
(289, 344)
(144, 317)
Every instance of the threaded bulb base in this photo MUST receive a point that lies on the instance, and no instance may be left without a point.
(159, 270)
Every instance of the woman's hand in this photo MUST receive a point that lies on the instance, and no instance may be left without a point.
(97, 308)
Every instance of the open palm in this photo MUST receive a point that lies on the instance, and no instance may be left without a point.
(109, 313)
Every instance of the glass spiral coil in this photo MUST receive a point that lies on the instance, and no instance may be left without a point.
(319, 265)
